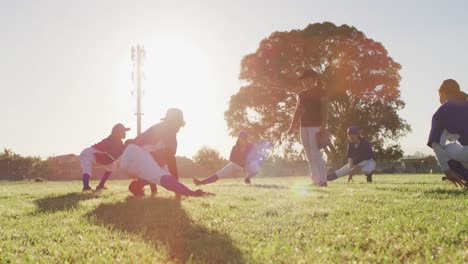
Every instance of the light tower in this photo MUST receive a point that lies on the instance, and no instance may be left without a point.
(138, 57)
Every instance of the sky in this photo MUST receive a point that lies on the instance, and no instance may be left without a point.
(65, 70)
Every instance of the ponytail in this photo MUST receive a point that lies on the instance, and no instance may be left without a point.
(462, 96)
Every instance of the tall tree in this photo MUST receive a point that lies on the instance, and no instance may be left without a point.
(361, 79)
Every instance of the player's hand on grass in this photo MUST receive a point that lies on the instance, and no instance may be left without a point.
(201, 193)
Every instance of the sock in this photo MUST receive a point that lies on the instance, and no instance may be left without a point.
(86, 180)
(172, 184)
(104, 178)
(210, 179)
(332, 177)
(369, 177)
(154, 189)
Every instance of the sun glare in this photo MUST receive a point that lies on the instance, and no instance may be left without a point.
(179, 74)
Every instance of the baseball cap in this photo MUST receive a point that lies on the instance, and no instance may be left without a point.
(175, 115)
(119, 128)
(307, 74)
(354, 130)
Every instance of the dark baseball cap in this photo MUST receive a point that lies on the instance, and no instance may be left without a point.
(120, 128)
(175, 115)
(354, 130)
(308, 74)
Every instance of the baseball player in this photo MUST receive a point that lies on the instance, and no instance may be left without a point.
(245, 156)
(312, 113)
(103, 154)
(150, 157)
(360, 157)
(449, 133)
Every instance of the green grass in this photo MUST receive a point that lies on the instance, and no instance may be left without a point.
(398, 218)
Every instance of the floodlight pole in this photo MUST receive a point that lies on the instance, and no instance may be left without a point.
(137, 60)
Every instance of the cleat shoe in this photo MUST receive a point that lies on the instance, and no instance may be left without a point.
(197, 182)
(87, 189)
(99, 188)
(458, 167)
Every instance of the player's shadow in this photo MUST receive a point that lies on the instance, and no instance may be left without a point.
(455, 192)
(263, 186)
(164, 223)
(64, 202)
(269, 186)
(436, 193)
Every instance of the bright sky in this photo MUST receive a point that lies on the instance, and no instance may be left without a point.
(65, 71)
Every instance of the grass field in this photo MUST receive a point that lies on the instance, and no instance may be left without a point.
(398, 218)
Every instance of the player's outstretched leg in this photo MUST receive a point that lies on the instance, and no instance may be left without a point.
(208, 180)
(172, 184)
(102, 183)
(339, 173)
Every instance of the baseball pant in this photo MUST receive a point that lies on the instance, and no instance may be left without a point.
(317, 165)
(136, 162)
(367, 167)
(88, 161)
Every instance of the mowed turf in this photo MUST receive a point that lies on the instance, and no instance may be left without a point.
(398, 218)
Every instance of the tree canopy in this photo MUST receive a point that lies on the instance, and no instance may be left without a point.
(359, 76)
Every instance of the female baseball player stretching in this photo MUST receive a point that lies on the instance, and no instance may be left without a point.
(312, 113)
(360, 157)
(244, 157)
(103, 154)
(449, 133)
(150, 157)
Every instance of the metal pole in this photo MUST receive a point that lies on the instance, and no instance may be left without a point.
(139, 53)
(138, 56)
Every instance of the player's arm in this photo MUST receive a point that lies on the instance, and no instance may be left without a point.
(170, 152)
(324, 102)
(297, 114)
(437, 128)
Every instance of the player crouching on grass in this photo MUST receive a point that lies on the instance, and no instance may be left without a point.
(450, 123)
(103, 154)
(150, 157)
(244, 157)
(360, 157)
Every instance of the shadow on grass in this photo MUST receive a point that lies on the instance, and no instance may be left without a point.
(163, 222)
(67, 201)
(263, 186)
(455, 192)
(432, 192)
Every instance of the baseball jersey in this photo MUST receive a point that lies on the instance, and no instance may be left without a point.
(112, 145)
(239, 154)
(311, 102)
(361, 152)
(160, 133)
(452, 116)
